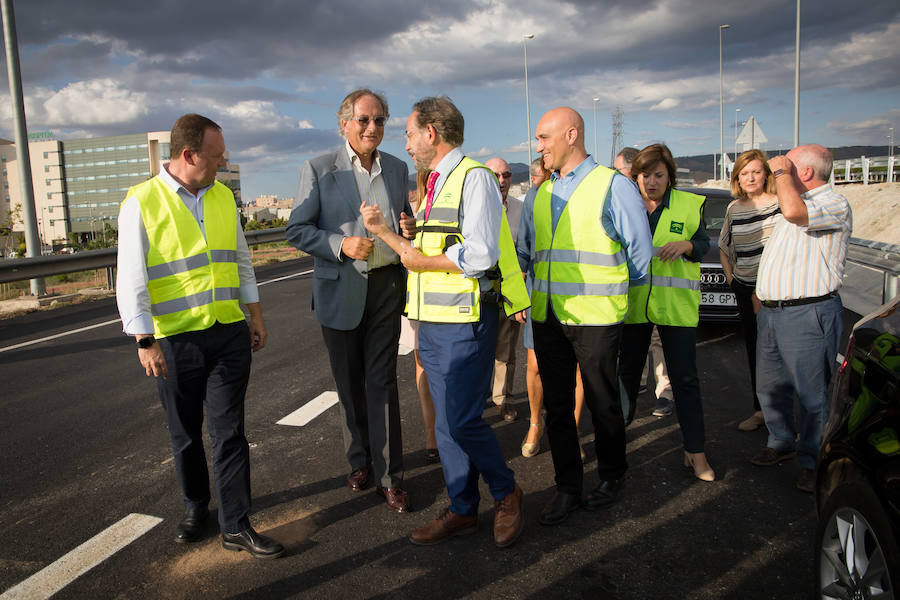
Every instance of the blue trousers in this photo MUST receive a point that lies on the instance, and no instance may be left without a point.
(796, 349)
(459, 361)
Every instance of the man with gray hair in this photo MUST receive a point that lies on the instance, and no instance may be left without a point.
(359, 286)
(801, 319)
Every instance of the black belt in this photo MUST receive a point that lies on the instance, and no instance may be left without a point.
(384, 268)
(798, 302)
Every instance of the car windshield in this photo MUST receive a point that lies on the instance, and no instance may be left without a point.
(714, 211)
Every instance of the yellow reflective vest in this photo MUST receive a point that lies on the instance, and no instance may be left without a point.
(672, 294)
(192, 280)
(442, 297)
(577, 266)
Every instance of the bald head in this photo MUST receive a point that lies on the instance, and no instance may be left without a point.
(504, 176)
(813, 164)
(560, 135)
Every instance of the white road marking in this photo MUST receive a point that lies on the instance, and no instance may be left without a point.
(82, 559)
(309, 411)
(89, 327)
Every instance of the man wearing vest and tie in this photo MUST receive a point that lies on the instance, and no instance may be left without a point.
(183, 270)
(590, 235)
(461, 267)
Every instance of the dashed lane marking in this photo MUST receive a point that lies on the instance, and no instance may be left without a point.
(82, 559)
(309, 411)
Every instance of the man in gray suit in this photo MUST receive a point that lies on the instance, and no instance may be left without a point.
(359, 286)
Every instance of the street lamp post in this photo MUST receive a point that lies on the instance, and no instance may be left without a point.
(596, 147)
(797, 81)
(736, 111)
(525, 38)
(721, 109)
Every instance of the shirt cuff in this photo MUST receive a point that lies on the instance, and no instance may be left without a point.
(249, 293)
(141, 324)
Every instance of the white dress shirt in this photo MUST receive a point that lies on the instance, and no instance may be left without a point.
(372, 189)
(132, 296)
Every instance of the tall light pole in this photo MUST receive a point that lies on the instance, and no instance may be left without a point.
(596, 147)
(525, 38)
(797, 81)
(721, 109)
(736, 111)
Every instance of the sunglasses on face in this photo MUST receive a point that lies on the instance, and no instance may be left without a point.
(364, 121)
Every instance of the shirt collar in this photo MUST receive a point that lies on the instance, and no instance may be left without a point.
(449, 162)
(814, 191)
(583, 168)
(354, 158)
(176, 186)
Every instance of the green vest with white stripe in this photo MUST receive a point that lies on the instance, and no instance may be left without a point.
(442, 297)
(672, 296)
(577, 267)
(192, 280)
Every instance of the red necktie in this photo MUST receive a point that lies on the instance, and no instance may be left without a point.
(429, 192)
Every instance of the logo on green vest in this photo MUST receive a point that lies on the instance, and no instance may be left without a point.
(465, 310)
(676, 227)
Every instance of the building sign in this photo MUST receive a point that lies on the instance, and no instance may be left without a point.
(41, 136)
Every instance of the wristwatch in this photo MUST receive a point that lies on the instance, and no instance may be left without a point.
(777, 172)
(146, 342)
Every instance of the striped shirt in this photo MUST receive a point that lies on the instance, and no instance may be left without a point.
(372, 189)
(807, 262)
(743, 237)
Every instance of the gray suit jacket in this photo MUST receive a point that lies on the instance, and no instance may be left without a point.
(326, 211)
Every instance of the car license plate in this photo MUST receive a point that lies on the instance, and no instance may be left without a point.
(717, 299)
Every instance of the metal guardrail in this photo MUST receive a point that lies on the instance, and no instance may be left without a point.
(878, 256)
(18, 269)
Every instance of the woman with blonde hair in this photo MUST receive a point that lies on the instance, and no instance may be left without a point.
(749, 221)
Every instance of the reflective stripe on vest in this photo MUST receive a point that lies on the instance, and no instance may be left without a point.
(192, 280)
(442, 297)
(577, 267)
(672, 296)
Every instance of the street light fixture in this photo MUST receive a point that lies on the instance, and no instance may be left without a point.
(797, 81)
(721, 109)
(525, 38)
(596, 147)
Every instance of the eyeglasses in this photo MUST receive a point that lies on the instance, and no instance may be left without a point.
(364, 121)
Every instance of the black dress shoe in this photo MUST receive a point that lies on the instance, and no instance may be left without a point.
(559, 508)
(602, 496)
(258, 545)
(190, 529)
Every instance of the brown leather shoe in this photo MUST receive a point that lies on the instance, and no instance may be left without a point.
(446, 525)
(359, 479)
(508, 411)
(508, 519)
(395, 498)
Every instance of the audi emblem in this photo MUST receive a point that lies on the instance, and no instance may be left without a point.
(713, 278)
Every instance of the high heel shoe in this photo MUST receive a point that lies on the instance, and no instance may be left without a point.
(697, 461)
(530, 450)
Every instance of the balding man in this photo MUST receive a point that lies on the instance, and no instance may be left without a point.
(591, 235)
(800, 322)
(508, 329)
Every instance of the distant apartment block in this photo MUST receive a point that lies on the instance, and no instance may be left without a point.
(267, 208)
(79, 184)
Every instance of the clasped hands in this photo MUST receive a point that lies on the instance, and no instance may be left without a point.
(375, 224)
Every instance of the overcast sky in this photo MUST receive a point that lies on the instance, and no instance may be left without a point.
(272, 73)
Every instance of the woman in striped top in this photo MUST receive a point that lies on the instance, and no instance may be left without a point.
(749, 221)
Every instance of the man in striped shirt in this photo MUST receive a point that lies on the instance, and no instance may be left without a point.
(800, 321)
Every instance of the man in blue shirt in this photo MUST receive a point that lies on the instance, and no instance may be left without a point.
(560, 347)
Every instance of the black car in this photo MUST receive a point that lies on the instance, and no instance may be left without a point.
(858, 471)
(717, 301)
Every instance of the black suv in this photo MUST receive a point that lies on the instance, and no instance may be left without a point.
(858, 471)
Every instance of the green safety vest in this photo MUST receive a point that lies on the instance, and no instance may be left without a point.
(192, 280)
(577, 266)
(672, 296)
(442, 297)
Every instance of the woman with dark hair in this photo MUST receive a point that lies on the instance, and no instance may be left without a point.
(669, 297)
(749, 221)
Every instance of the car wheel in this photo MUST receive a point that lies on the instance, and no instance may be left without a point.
(856, 552)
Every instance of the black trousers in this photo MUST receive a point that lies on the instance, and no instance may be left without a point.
(743, 293)
(680, 351)
(364, 366)
(559, 348)
(210, 369)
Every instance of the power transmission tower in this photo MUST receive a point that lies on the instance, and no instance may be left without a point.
(617, 136)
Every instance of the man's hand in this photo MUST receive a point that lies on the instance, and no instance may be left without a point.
(358, 248)
(521, 316)
(258, 333)
(408, 226)
(756, 303)
(372, 218)
(153, 360)
(673, 250)
(781, 162)
(412, 259)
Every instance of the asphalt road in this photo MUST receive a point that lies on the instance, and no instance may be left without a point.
(83, 444)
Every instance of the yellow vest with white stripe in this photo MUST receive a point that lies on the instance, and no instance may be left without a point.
(192, 281)
(442, 297)
(577, 266)
(672, 296)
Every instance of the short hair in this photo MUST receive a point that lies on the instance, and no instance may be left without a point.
(742, 161)
(628, 153)
(442, 114)
(819, 158)
(537, 167)
(647, 158)
(188, 132)
(345, 111)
